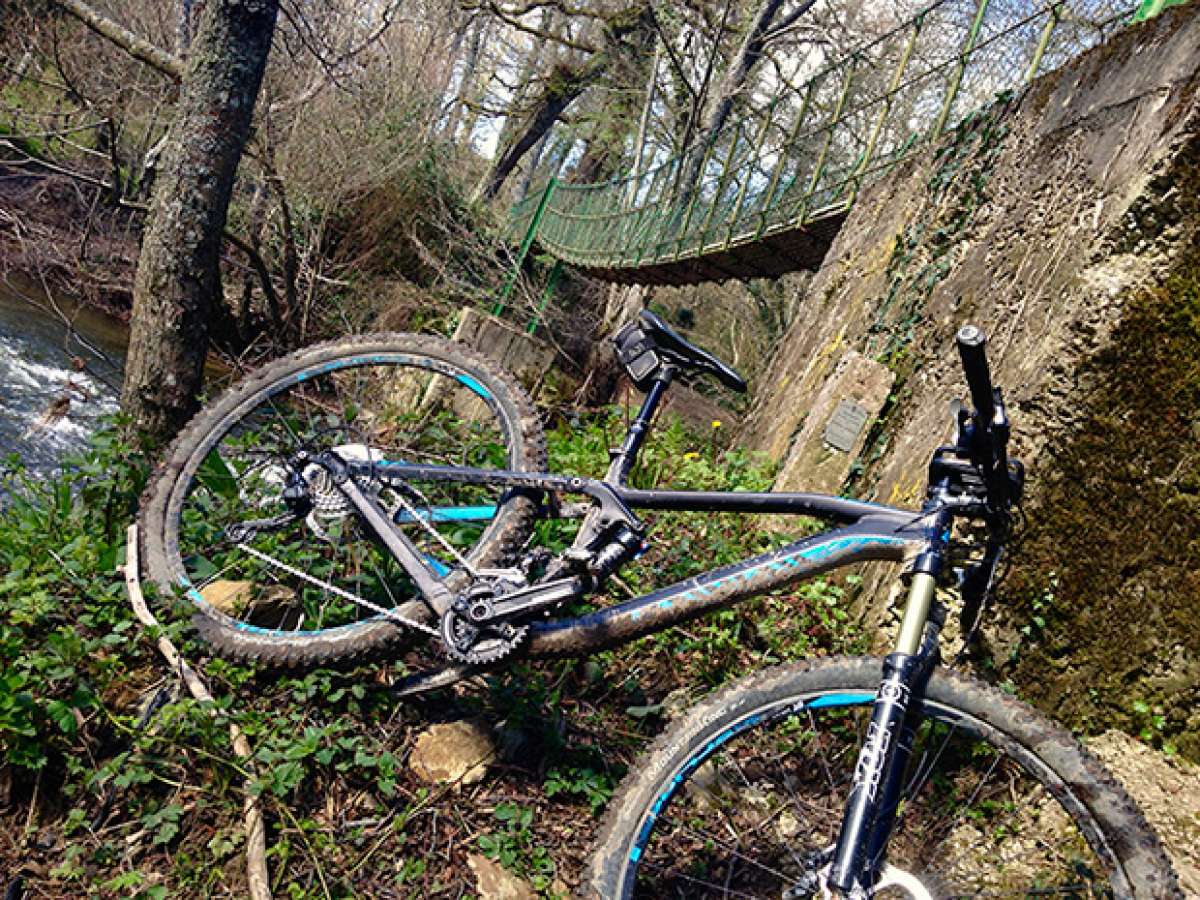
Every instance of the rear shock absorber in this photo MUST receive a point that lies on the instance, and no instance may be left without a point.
(624, 546)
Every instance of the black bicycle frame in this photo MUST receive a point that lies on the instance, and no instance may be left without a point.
(868, 532)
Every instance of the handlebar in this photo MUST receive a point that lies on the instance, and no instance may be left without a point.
(984, 433)
(971, 350)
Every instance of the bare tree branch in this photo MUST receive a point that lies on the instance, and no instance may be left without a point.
(137, 47)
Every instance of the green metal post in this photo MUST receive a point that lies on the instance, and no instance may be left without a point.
(877, 128)
(760, 138)
(551, 284)
(834, 120)
(580, 226)
(616, 224)
(526, 243)
(783, 156)
(1151, 8)
(1052, 20)
(697, 189)
(961, 68)
(651, 209)
(722, 182)
(633, 213)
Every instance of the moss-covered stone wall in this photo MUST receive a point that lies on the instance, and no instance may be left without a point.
(1110, 570)
(1064, 222)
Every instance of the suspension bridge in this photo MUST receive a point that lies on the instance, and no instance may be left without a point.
(768, 192)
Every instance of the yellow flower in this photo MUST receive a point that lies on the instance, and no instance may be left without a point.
(716, 423)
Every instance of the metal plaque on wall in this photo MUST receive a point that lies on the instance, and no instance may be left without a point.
(845, 425)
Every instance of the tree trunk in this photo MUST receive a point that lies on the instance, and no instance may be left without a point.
(467, 79)
(733, 82)
(527, 178)
(530, 66)
(563, 86)
(639, 142)
(178, 281)
(749, 53)
(613, 128)
(483, 69)
(438, 122)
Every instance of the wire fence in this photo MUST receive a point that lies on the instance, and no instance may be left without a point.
(803, 157)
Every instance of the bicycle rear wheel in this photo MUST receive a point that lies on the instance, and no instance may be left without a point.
(322, 589)
(744, 798)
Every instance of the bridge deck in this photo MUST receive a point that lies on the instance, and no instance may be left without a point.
(767, 193)
(782, 251)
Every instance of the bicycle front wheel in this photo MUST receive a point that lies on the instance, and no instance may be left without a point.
(744, 798)
(318, 587)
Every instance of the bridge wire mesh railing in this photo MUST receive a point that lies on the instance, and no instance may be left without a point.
(785, 164)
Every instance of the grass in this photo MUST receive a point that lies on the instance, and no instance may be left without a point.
(98, 798)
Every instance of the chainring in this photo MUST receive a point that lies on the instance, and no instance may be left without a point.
(480, 644)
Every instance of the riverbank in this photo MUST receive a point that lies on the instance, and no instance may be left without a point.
(61, 233)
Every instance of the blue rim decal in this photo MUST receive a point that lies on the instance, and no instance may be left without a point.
(851, 698)
(854, 698)
(475, 386)
(350, 361)
(452, 514)
(197, 598)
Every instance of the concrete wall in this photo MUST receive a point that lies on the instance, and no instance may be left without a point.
(1064, 223)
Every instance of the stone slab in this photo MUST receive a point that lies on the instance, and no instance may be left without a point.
(835, 429)
(522, 354)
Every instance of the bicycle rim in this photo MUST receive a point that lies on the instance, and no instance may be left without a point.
(754, 808)
(325, 573)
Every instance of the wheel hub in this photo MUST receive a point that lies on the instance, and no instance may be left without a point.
(815, 883)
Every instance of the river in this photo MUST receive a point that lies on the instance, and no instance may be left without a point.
(60, 373)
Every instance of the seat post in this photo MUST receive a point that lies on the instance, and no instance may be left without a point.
(623, 457)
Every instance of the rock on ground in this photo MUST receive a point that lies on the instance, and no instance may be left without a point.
(494, 882)
(453, 752)
(1167, 790)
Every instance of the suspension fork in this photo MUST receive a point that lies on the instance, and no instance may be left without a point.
(883, 759)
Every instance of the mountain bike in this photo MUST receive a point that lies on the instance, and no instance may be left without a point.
(386, 487)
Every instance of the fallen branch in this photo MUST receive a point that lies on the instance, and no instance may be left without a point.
(256, 839)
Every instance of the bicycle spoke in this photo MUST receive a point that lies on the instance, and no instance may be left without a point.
(958, 801)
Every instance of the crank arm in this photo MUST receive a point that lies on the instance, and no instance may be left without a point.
(537, 597)
(432, 679)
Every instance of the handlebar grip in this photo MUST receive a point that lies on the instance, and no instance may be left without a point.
(971, 349)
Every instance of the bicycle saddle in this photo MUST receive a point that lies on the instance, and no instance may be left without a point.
(649, 332)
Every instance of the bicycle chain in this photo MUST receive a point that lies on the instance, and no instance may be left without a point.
(424, 522)
(482, 478)
(463, 639)
(353, 598)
